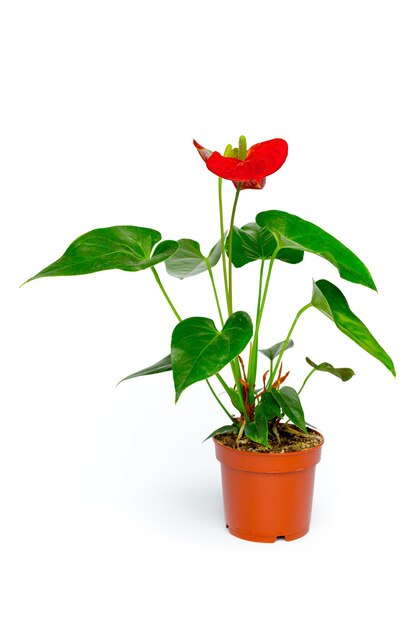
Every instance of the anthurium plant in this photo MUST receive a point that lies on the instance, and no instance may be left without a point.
(255, 399)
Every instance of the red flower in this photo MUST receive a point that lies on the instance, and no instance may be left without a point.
(250, 170)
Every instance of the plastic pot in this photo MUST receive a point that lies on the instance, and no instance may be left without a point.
(267, 495)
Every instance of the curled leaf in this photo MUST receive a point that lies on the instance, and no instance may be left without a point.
(274, 351)
(344, 373)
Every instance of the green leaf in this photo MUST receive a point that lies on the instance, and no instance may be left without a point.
(127, 248)
(289, 401)
(258, 429)
(274, 351)
(164, 365)
(251, 243)
(269, 406)
(291, 231)
(328, 299)
(189, 261)
(223, 430)
(344, 373)
(199, 350)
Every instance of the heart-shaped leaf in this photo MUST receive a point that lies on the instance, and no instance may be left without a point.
(127, 248)
(344, 373)
(251, 243)
(269, 406)
(189, 261)
(199, 350)
(289, 401)
(223, 430)
(274, 351)
(258, 429)
(291, 231)
(328, 299)
(164, 365)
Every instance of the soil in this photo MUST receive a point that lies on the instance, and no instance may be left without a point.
(291, 440)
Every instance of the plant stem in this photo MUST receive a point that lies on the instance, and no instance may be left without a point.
(177, 315)
(253, 364)
(232, 220)
(222, 240)
(215, 291)
(306, 379)
(268, 278)
(219, 401)
(242, 428)
(235, 363)
(253, 355)
(239, 391)
(287, 339)
(167, 298)
(276, 433)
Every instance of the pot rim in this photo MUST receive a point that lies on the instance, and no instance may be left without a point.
(274, 454)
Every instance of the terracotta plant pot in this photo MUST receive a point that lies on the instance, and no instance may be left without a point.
(267, 495)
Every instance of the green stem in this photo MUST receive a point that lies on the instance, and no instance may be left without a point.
(177, 315)
(223, 383)
(213, 284)
(306, 379)
(239, 391)
(167, 298)
(287, 339)
(268, 278)
(232, 220)
(235, 363)
(258, 306)
(253, 365)
(235, 366)
(253, 360)
(222, 240)
(219, 401)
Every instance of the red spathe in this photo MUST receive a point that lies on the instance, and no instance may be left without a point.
(262, 159)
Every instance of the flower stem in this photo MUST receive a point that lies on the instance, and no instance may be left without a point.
(287, 339)
(232, 220)
(234, 364)
(222, 239)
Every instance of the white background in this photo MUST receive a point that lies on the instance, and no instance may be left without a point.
(111, 508)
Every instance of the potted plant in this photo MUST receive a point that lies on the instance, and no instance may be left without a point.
(268, 451)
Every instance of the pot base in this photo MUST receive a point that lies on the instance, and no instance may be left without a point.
(251, 536)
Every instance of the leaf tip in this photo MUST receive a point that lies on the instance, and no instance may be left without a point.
(389, 364)
(26, 282)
